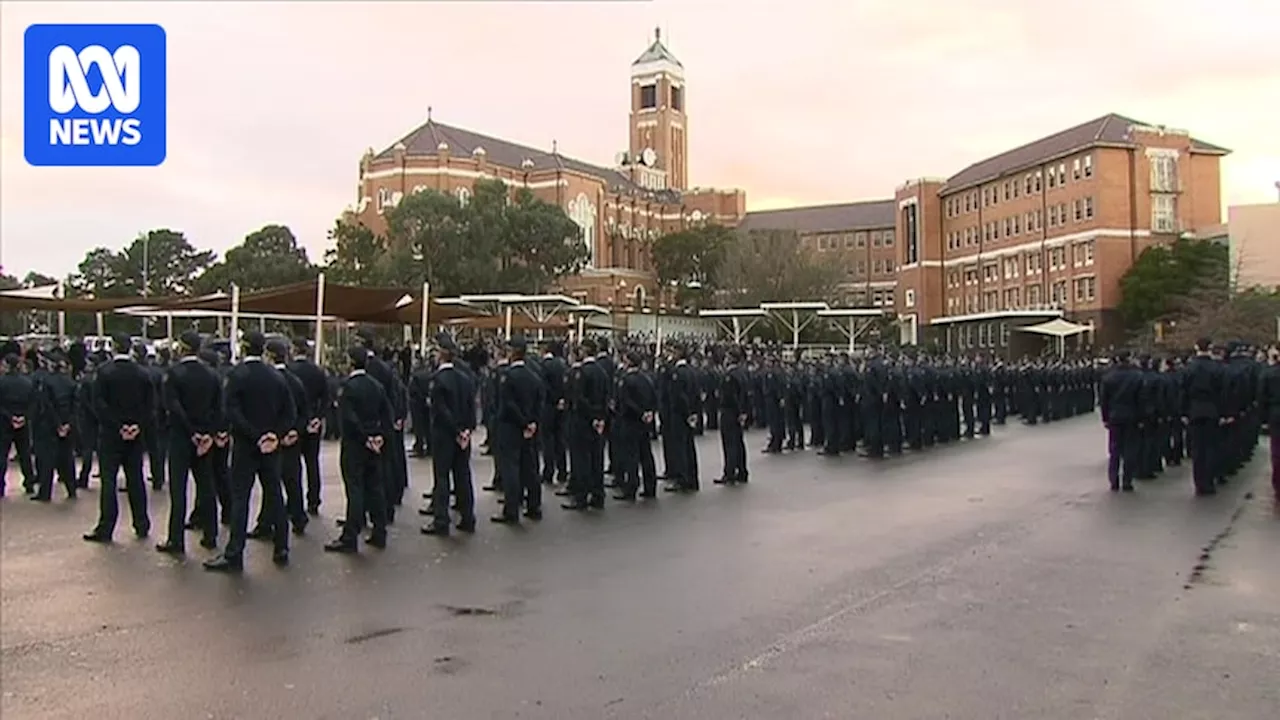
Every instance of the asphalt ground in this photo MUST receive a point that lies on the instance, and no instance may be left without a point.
(993, 579)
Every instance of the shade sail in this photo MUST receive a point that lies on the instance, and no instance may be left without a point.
(1056, 327)
(19, 300)
(410, 313)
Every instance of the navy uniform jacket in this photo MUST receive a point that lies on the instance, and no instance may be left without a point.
(55, 401)
(124, 394)
(636, 396)
(363, 409)
(193, 397)
(452, 394)
(1122, 395)
(520, 395)
(258, 401)
(1203, 386)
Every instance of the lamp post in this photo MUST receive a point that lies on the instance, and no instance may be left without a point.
(146, 277)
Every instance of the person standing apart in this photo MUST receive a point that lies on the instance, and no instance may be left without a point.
(317, 386)
(450, 403)
(123, 392)
(193, 399)
(520, 398)
(365, 415)
(55, 429)
(260, 412)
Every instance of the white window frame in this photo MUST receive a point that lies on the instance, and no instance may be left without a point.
(1164, 213)
(909, 298)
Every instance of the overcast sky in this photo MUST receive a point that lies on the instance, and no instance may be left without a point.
(797, 102)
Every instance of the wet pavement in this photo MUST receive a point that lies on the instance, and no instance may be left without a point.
(995, 579)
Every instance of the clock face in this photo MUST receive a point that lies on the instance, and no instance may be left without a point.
(649, 156)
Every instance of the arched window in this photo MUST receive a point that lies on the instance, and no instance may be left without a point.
(583, 212)
(639, 301)
(464, 196)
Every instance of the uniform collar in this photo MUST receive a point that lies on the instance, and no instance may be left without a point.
(588, 359)
(444, 366)
(189, 358)
(357, 372)
(515, 363)
(279, 366)
(681, 361)
(252, 358)
(123, 357)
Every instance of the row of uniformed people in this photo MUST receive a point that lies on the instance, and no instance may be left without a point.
(1209, 407)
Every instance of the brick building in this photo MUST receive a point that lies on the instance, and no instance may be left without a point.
(1047, 229)
(621, 208)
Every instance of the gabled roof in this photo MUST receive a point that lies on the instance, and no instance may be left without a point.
(425, 142)
(657, 52)
(1110, 129)
(866, 214)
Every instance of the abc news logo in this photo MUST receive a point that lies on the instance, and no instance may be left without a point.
(95, 95)
(69, 90)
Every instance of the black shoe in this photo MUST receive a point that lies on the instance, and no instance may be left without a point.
(300, 527)
(377, 541)
(169, 548)
(533, 514)
(191, 524)
(647, 495)
(224, 564)
(437, 530)
(504, 520)
(467, 527)
(1127, 488)
(313, 511)
(208, 543)
(625, 497)
(1115, 487)
(341, 546)
(142, 533)
(96, 537)
(574, 505)
(563, 493)
(280, 557)
(258, 533)
(721, 481)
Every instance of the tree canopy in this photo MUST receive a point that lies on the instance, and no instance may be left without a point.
(268, 257)
(1164, 275)
(490, 243)
(692, 260)
(772, 266)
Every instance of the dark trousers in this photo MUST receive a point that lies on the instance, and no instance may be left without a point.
(247, 464)
(1275, 461)
(635, 458)
(873, 429)
(777, 423)
(54, 455)
(116, 454)
(984, 415)
(19, 440)
(184, 461)
(1204, 441)
(1124, 450)
(555, 462)
(220, 463)
(291, 482)
(685, 455)
(362, 482)
(733, 446)
(88, 433)
(310, 446)
(831, 425)
(586, 461)
(156, 439)
(451, 475)
(517, 461)
(398, 469)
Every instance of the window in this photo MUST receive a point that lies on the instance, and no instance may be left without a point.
(1077, 210)
(877, 267)
(1007, 191)
(1026, 184)
(953, 279)
(1164, 173)
(1052, 180)
(1086, 289)
(1033, 263)
(889, 265)
(995, 230)
(1017, 225)
(860, 239)
(463, 195)
(1008, 226)
(1017, 188)
(986, 197)
(971, 304)
(1088, 166)
(384, 198)
(909, 298)
(862, 268)
(990, 273)
(1034, 295)
(648, 97)
(971, 275)
(1012, 298)
(1075, 169)
(1036, 182)
(848, 241)
(1062, 173)
(967, 205)
(875, 238)
(1053, 216)
(1088, 253)
(1088, 208)
(1062, 213)
(1164, 213)
(677, 98)
(1059, 293)
(991, 301)
(888, 238)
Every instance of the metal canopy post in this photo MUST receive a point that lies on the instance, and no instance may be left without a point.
(318, 351)
(426, 309)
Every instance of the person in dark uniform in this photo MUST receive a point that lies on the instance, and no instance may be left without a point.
(637, 404)
(17, 399)
(419, 409)
(1269, 408)
(555, 467)
(520, 402)
(86, 423)
(394, 474)
(1203, 388)
(220, 455)
(290, 448)
(193, 399)
(155, 434)
(1122, 416)
(451, 403)
(260, 411)
(316, 384)
(54, 428)
(733, 403)
(366, 416)
(123, 393)
(588, 408)
(684, 398)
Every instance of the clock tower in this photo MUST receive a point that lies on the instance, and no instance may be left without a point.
(659, 138)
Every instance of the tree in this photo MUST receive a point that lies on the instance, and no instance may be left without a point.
(99, 275)
(1163, 275)
(267, 258)
(35, 280)
(692, 260)
(489, 244)
(160, 263)
(773, 266)
(355, 255)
